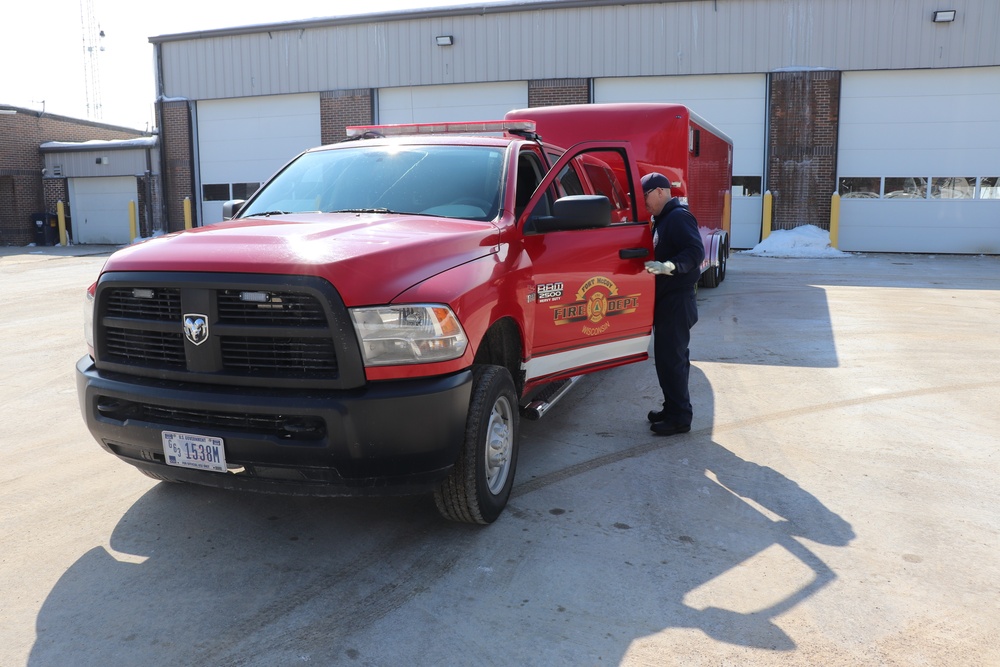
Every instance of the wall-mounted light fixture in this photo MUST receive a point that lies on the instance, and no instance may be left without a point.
(448, 40)
(946, 16)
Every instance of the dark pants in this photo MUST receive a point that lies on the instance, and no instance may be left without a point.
(674, 315)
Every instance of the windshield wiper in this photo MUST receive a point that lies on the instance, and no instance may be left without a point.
(265, 214)
(364, 210)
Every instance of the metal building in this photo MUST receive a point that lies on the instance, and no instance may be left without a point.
(893, 105)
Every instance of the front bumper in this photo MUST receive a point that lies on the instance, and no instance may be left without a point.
(389, 437)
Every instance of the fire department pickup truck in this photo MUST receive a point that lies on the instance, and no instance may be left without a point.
(376, 317)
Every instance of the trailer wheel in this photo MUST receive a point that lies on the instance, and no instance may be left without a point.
(479, 485)
(716, 274)
(711, 277)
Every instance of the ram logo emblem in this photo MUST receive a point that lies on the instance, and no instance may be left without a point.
(196, 328)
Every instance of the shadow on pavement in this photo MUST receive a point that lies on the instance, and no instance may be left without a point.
(590, 561)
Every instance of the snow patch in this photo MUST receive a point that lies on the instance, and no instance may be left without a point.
(804, 241)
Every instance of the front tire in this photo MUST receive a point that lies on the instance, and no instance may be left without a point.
(479, 485)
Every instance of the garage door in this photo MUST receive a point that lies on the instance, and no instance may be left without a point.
(917, 161)
(99, 208)
(737, 105)
(242, 142)
(467, 101)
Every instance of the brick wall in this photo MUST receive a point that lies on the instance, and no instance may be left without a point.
(23, 191)
(340, 108)
(178, 163)
(548, 92)
(802, 147)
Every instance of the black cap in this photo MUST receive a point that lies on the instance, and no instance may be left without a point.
(652, 181)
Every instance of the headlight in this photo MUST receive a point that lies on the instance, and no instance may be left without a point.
(412, 334)
(88, 316)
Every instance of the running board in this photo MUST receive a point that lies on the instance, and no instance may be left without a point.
(544, 402)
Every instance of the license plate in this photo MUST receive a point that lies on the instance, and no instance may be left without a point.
(187, 450)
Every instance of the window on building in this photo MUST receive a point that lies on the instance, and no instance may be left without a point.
(989, 187)
(909, 187)
(215, 192)
(860, 187)
(244, 190)
(746, 186)
(953, 187)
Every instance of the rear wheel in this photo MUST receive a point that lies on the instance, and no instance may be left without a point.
(479, 485)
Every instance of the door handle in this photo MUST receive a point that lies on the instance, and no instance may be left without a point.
(633, 253)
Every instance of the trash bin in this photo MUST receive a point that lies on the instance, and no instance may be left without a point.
(51, 229)
(46, 227)
(38, 221)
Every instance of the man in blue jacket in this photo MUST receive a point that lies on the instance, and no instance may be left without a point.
(678, 251)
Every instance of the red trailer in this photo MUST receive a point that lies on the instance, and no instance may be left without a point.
(667, 138)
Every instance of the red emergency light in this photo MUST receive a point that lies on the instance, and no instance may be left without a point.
(464, 127)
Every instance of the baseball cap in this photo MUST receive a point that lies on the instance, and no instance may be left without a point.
(654, 180)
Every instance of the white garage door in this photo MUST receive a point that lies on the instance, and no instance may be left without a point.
(734, 103)
(467, 101)
(99, 208)
(242, 142)
(917, 162)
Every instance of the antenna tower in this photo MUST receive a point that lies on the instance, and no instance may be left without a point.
(93, 45)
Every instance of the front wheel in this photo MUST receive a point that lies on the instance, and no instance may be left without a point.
(479, 485)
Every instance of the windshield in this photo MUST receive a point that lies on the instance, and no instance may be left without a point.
(447, 181)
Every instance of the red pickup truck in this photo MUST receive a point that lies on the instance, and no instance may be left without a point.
(375, 318)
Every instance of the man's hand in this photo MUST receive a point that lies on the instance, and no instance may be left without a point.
(662, 268)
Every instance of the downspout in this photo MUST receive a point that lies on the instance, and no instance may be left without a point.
(164, 217)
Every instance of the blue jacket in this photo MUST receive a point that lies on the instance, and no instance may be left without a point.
(676, 239)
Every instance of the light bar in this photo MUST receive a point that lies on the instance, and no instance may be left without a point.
(444, 128)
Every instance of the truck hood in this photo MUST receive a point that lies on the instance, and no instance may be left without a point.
(369, 258)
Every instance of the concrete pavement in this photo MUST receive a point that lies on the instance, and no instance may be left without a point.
(835, 504)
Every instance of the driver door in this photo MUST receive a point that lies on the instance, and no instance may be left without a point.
(593, 300)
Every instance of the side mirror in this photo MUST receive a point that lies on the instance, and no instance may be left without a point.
(232, 208)
(575, 212)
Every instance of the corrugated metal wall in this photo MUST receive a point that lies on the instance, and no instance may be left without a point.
(87, 163)
(580, 40)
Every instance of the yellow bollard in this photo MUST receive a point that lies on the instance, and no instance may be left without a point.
(131, 221)
(835, 220)
(766, 222)
(61, 215)
(727, 212)
(187, 213)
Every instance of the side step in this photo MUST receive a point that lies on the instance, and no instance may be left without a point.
(548, 397)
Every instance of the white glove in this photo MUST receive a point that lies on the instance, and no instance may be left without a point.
(662, 268)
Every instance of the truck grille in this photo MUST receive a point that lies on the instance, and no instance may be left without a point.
(278, 308)
(277, 356)
(162, 305)
(145, 347)
(259, 331)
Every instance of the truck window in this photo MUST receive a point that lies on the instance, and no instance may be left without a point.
(601, 168)
(529, 175)
(570, 181)
(445, 181)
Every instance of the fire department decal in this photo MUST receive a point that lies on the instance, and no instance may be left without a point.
(596, 302)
